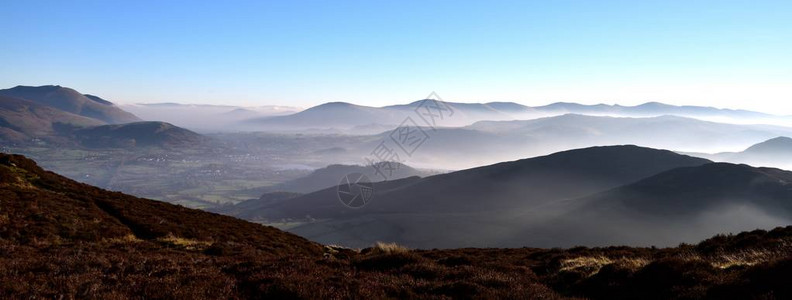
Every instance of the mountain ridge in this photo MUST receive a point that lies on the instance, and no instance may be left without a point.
(69, 100)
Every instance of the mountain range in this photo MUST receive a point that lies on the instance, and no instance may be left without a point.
(224, 118)
(71, 101)
(62, 116)
(347, 116)
(489, 142)
(594, 196)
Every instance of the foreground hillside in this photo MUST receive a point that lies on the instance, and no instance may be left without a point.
(61, 239)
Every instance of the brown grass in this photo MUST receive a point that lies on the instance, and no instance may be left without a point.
(65, 240)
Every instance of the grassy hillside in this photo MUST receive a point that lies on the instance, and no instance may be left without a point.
(62, 239)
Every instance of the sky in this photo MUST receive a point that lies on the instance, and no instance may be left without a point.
(733, 54)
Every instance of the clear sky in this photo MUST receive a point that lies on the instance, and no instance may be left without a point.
(719, 53)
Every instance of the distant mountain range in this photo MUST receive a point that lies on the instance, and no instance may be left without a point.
(63, 116)
(776, 152)
(489, 142)
(224, 118)
(347, 116)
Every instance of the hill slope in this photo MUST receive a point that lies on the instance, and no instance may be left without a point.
(684, 204)
(776, 153)
(47, 208)
(507, 196)
(62, 239)
(22, 120)
(138, 134)
(71, 101)
(329, 176)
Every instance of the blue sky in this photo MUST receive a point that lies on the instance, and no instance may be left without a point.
(717, 53)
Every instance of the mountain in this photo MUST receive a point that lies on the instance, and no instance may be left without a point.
(224, 118)
(138, 134)
(488, 142)
(63, 239)
(22, 120)
(71, 101)
(656, 109)
(346, 116)
(777, 146)
(330, 176)
(776, 152)
(684, 204)
(331, 115)
(62, 116)
(473, 202)
(254, 209)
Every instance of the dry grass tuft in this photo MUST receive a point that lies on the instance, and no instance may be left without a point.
(589, 265)
(389, 248)
(127, 239)
(188, 244)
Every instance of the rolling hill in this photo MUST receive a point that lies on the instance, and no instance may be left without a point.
(138, 134)
(63, 117)
(329, 176)
(776, 153)
(346, 116)
(22, 120)
(71, 101)
(489, 142)
(354, 118)
(508, 196)
(684, 204)
(225, 118)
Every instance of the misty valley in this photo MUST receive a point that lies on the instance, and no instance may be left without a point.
(469, 175)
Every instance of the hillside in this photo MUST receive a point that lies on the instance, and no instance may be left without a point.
(329, 176)
(64, 117)
(62, 239)
(500, 198)
(48, 209)
(138, 134)
(22, 120)
(523, 183)
(684, 204)
(775, 152)
(71, 101)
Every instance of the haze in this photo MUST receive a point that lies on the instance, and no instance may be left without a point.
(304, 53)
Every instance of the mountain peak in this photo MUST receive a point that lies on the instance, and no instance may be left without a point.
(779, 144)
(71, 101)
